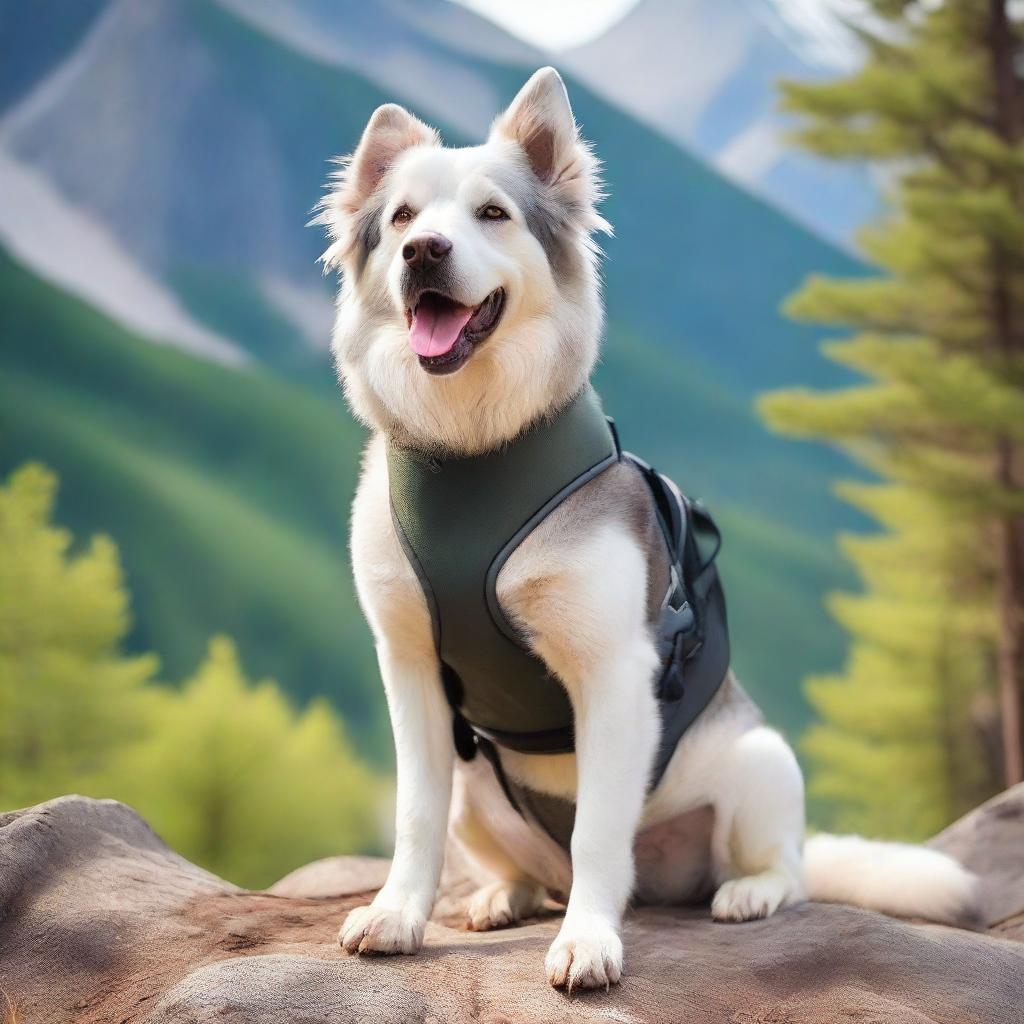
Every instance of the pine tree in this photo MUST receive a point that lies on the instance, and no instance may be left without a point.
(236, 780)
(68, 696)
(228, 772)
(939, 336)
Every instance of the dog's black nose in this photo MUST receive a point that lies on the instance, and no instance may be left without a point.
(426, 250)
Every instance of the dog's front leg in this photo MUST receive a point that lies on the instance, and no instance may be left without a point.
(422, 726)
(586, 609)
(616, 734)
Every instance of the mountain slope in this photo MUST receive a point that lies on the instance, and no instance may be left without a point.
(35, 42)
(226, 491)
(76, 252)
(429, 51)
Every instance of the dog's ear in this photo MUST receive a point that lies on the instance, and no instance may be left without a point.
(541, 122)
(390, 131)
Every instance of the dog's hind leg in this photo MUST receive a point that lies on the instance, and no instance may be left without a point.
(759, 827)
(507, 894)
(503, 903)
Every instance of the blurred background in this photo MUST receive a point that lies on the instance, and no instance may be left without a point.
(816, 324)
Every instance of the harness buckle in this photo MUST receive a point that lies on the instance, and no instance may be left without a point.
(679, 631)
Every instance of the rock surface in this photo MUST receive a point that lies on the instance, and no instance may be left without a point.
(101, 922)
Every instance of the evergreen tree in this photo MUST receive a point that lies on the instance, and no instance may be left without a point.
(939, 337)
(233, 778)
(68, 696)
(899, 751)
(227, 772)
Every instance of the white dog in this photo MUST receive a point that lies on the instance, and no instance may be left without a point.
(470, 311)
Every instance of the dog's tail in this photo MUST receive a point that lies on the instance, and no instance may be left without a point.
(893, 878)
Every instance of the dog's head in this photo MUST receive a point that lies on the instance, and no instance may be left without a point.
(470, 302)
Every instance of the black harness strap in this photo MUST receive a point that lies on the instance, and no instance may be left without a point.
(693, 633)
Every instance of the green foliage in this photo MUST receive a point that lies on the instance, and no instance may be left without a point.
(897, 749)
(237, 781)
(67, 693)
(905, 741)
(228, 772)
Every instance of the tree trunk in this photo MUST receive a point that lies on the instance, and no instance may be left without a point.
(1011, 649)
(1009, 122)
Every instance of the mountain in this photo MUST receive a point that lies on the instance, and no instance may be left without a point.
(80, 254)
(35, 42)
(194, 135)
(212, 203)
(709, 82)
(427, 51)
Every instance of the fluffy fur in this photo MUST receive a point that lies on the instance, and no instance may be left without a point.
(727, 820)
(894, 878)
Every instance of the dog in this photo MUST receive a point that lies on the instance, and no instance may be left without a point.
(507, 335)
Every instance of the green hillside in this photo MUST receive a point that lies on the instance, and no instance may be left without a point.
(226, 491)
(228, 495)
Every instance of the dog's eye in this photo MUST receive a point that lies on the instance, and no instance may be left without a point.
(401, 217)
(492, 212)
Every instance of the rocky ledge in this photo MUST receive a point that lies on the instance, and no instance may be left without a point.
(101, 922)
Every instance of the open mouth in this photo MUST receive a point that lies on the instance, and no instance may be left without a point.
(444, 333)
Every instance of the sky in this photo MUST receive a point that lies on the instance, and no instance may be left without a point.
(553, 24)
(560, 24)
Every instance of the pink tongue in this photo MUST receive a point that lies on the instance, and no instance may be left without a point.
(435, 328)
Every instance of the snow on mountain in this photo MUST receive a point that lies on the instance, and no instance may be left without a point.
(404, 47)
(42, 230)
(705, 73)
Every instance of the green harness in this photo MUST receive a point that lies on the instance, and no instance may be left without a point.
(460, 519)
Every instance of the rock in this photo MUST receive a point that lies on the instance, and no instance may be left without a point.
(101, 922)
(334, 876)
(990, 842)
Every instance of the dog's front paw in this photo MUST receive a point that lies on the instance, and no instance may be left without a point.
(503, 903)
(586, 954)
(378, 930)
